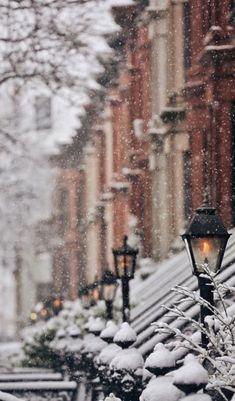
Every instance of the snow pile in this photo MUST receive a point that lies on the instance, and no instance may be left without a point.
(9, 397)
(74, 344)
(96, 326)
(192, 372)
(128, 359)
(108, 353)
(10, 353)
(147, 267)
(73, 331)
(109, 331)
(112, 397)
(60, 342)
(125, 334)
(161, 357)
(94, 345)
(161, 389)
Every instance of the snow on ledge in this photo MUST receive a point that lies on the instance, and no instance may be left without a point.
(9, 397)
(120, 185)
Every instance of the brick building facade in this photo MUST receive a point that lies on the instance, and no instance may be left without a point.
(210, 94)
(163, 132)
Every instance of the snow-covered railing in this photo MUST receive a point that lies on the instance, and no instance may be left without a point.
(39, 391)
(156, 291)
(26, 377)
(22, 370)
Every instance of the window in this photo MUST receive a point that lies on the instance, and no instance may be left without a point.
(187, 36)
(187, 183)
(65, 282)
(63, 212)
(43, 291)
(233, 160)
(80, 207)
(42, 112)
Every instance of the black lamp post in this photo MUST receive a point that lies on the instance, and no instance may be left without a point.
(205, 241)
(125, 263)
(108, 288)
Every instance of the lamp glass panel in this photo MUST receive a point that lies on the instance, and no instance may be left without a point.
(57, 303)
(95, 294)
(85, 300)
(188, 249)
(207, 251)
(109, 291)
(125, 265)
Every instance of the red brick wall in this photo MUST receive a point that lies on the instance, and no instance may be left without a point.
(209, 91)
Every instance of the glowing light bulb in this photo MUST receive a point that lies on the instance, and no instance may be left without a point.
(57, 303)
(123, 262)
(43, 312)
(206, 248)
(33, 316)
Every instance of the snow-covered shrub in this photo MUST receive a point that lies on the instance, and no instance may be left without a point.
(219, 328)
(37, 350)
(39, 341)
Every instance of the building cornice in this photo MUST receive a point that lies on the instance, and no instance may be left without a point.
(120, 186)
(106, 196)
(132, 173)
(157, 14)
(173, 114)
(217, 54)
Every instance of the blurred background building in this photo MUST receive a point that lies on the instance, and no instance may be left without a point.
(160, 133)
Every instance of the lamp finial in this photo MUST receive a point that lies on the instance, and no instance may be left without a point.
(205, 198)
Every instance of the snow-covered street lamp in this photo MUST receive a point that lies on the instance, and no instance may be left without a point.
(125, 263)
(108, 288)
(205, 241)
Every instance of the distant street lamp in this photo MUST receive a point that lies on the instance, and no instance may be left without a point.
(44, 313)
(33, 317)
(205, 241)
(108, 288)
(94, 292)
(57, 305)
(84, 295)
(125, 263)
